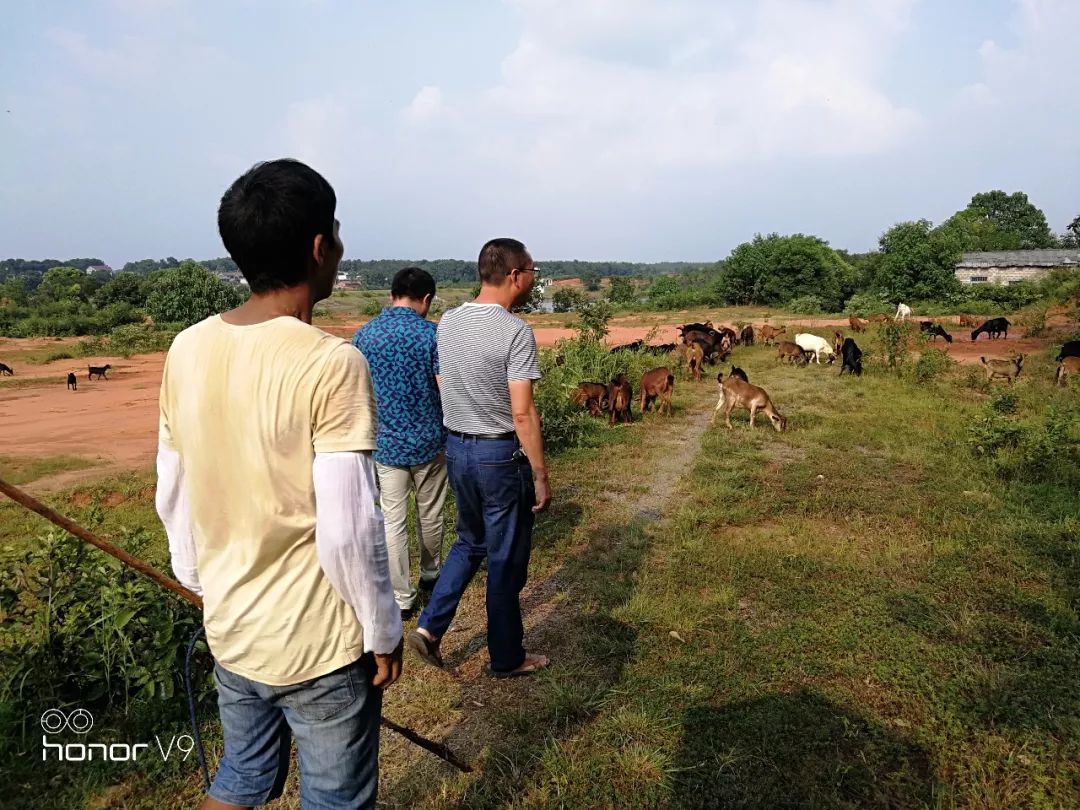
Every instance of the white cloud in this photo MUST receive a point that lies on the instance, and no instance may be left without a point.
(426, 106)
(606, 91)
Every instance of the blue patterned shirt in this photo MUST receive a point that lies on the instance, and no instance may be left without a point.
(400, 349)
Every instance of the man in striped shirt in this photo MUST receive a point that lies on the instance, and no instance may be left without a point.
(494, 457)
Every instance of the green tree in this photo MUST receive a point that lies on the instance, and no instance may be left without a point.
(593, 318)
(1000, 221)
(567, 299)
(66, 284)
(189, 294)
(917, 262)
(13, 291)
(129, 288)
(774, 269)
(621, 290)
(590, 280)
(1071, 237)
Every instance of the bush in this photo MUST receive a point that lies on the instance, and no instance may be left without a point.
(372, 307)
(81, 629)
(1043, 450)
(139, 338)
(932, 363)
(567, 299)
(895, 339)
(60, 355)
(866, 303)
(1033, 321)
(805, 305)
(593, 318)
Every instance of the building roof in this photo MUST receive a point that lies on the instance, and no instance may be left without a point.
(1020, 258)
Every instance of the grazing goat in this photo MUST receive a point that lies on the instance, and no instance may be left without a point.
(628, 347)
(737, 393)
(857, 324)
(590, 395)
(695, 358)
(792, 352)
(99, 371)
(769, 334)
(72, 381)
(6, 370)
(969, 320)
(880, 318)
(694, 327)
(657, 384)
(619, 396)
(852, 355)
(1008, 369)
(1068, 367)
(816, 346)
(747, 335)
(903, 312)
(1070, 349)
(993, 328)
(838, 341)
(661, 349)
(934, 331)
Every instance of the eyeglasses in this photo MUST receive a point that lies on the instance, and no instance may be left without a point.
(526, 270)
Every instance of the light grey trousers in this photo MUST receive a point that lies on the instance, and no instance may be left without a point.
(428, 481)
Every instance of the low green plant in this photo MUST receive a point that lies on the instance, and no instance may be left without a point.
(805, 305)
(932, 364)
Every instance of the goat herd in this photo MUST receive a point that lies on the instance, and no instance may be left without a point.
(100, 372)
(702, 343)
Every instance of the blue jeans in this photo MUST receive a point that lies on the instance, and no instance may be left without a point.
(335, 719)
(495, 496)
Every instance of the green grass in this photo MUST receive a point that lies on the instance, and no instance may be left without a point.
(24, 469)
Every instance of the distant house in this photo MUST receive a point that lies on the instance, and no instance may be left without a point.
(1010, 266)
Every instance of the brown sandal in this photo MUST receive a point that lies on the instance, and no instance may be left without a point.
(523, 670)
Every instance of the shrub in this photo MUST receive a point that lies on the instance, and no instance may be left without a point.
(60, 355)
(805, 305)
(593, 318)
(79, 628)
(1033, 321)
(975, 378)
(1042, 450)
(567, 299)
(139, 338)
(866, 303)
(895, 339)
(371, 307)
(932, 363)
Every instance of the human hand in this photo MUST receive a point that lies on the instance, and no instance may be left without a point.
(543, 493)
(388, 667)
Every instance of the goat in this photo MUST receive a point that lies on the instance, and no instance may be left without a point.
(628, 347)
(838, 341)
(619, 396)
(695, 359)
(1071, 348)
(737, 393)
(736, 372)
(590, 395)
(969, 320)
(816, 346)
(1068, 367)
(852, 355)
(99, 371)
(903, 312)
(934, 331)
(857, 324)
(72, 381)
(657, 384)
(769, 334)
(1008, 369)
(747, 335)
(993, 329)
(6, 370)
(786, 350)
(661, 349)
(879, 318)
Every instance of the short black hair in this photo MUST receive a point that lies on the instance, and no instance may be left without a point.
(412, 282)
(269, 218)
(498, 257)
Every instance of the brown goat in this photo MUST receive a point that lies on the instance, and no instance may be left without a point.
(657, 384)
(881, 317)
(695, 358)
(1068, 367)
(620, 395)
(590, 395)
(736, 393)
(969, 320)
(769, 334)
(838, 342)
(1008, 369)
(857, 324)
(793, 352)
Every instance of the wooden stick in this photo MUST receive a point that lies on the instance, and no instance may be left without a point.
(34, 505)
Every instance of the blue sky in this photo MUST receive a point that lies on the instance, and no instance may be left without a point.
(591, 129)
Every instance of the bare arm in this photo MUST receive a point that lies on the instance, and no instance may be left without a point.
(527, 427)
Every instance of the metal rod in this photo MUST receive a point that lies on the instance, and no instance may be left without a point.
(34, 505)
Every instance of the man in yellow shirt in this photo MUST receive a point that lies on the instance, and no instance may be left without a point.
(266, 487)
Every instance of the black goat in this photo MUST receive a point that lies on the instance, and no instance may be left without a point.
(73, 382)
(1070, 349)
(736, 372)
(747, 335)
(934, 330)
(994, 328)
(99, 371)
(852, 355)
(6, 369)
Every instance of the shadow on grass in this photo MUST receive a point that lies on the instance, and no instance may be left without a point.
(796, 750)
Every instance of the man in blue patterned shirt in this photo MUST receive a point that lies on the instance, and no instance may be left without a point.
(400, 349)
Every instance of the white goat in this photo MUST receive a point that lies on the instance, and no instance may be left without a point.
(903, 311)
(815, 344)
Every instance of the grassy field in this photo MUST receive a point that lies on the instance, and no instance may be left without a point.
(880, 607)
